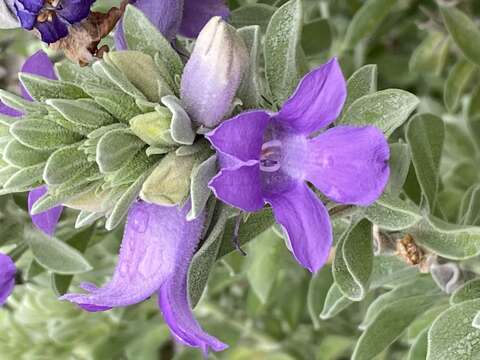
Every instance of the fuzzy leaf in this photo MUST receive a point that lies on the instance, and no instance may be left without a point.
(386, 109)
(362, 82)
(458, 79)
(17, 154)
(41, 88)
(82, 112)
(181, 127)
(199, 190)
(282, 41)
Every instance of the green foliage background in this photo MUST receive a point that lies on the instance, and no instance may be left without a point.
(264, 305)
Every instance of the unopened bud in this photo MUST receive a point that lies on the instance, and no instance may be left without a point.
(154, 128)
(446, 276)
(214, 72)
(169, 183)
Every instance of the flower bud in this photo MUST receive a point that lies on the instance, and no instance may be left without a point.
(154, 128)
(169, 183)
(214, 72)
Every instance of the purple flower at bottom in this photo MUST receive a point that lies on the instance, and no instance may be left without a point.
(7, 277)
(267, 158)
(37, 64)
(51, 17)
(172, 17)
(157, 248)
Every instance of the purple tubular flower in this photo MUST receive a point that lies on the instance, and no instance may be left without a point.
(37, 64)
(51, 17)
(7, 277)
(213, 73)
(172, 17)
(157, 248)
(267, 158)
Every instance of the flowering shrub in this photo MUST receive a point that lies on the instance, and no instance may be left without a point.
(286, 179)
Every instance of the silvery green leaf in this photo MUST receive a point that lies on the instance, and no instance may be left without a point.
(335, 302)
(17, 154)
(84, 112)
(199, 190)
(154, 127)
(452, 336)
(42, 134)
(468, 291)
(386, 109)
(121, 207)
(118, 78)
(362, 82)
(41, 88)
(141, 71)
(353, 261)
(390, 271)
(463, 31)
(20, 104)
(252, 14)
(139, 164)
(181, 129)
(400, 159)
(57, 195)
(392, 213)
(282, 41)
(425, 135)
(420, 285)
(142, 35)
(469, 211)
(476, 321)
(205, 257)
(430, 56)
(70, 72)
(156, 150)
(55, 255)
(187, 150)
(418, 350)
(115, 148)
(366, 20)
(8, 19)
(6, 172)
(473, 116)
(123, 107)
(459, 77)
(455, 242)
(249, 91)
(64, 164)
(25, 179)
(86, 218)
(425, 320)
(389, 324)
(267, 256)
(317, 293)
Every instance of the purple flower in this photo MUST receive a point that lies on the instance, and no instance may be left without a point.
(37, 64)
(213, 73)
(157, 248)
(51, 17)
(267, 158)
(172, 17)
(7, 277)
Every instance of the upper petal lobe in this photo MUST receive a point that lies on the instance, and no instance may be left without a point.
(317, 101)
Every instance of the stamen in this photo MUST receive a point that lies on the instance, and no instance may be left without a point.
(270, 156)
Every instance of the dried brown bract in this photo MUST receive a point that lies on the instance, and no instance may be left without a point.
(81, 45)
(409, 251)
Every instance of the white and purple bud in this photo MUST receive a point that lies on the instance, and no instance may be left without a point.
(214, 72)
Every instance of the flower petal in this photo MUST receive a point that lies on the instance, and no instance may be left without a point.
(242, 136)
(52, 31)
(240, 186)
(155, 238)
(75, 10)
(177, 313)
(166, 15)
(38, 64)
(306, 223)
(7, 277)
(46, 221)
(349, 164)
(317, 101)
(6, 110)
(197, 13)
(213, 73)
